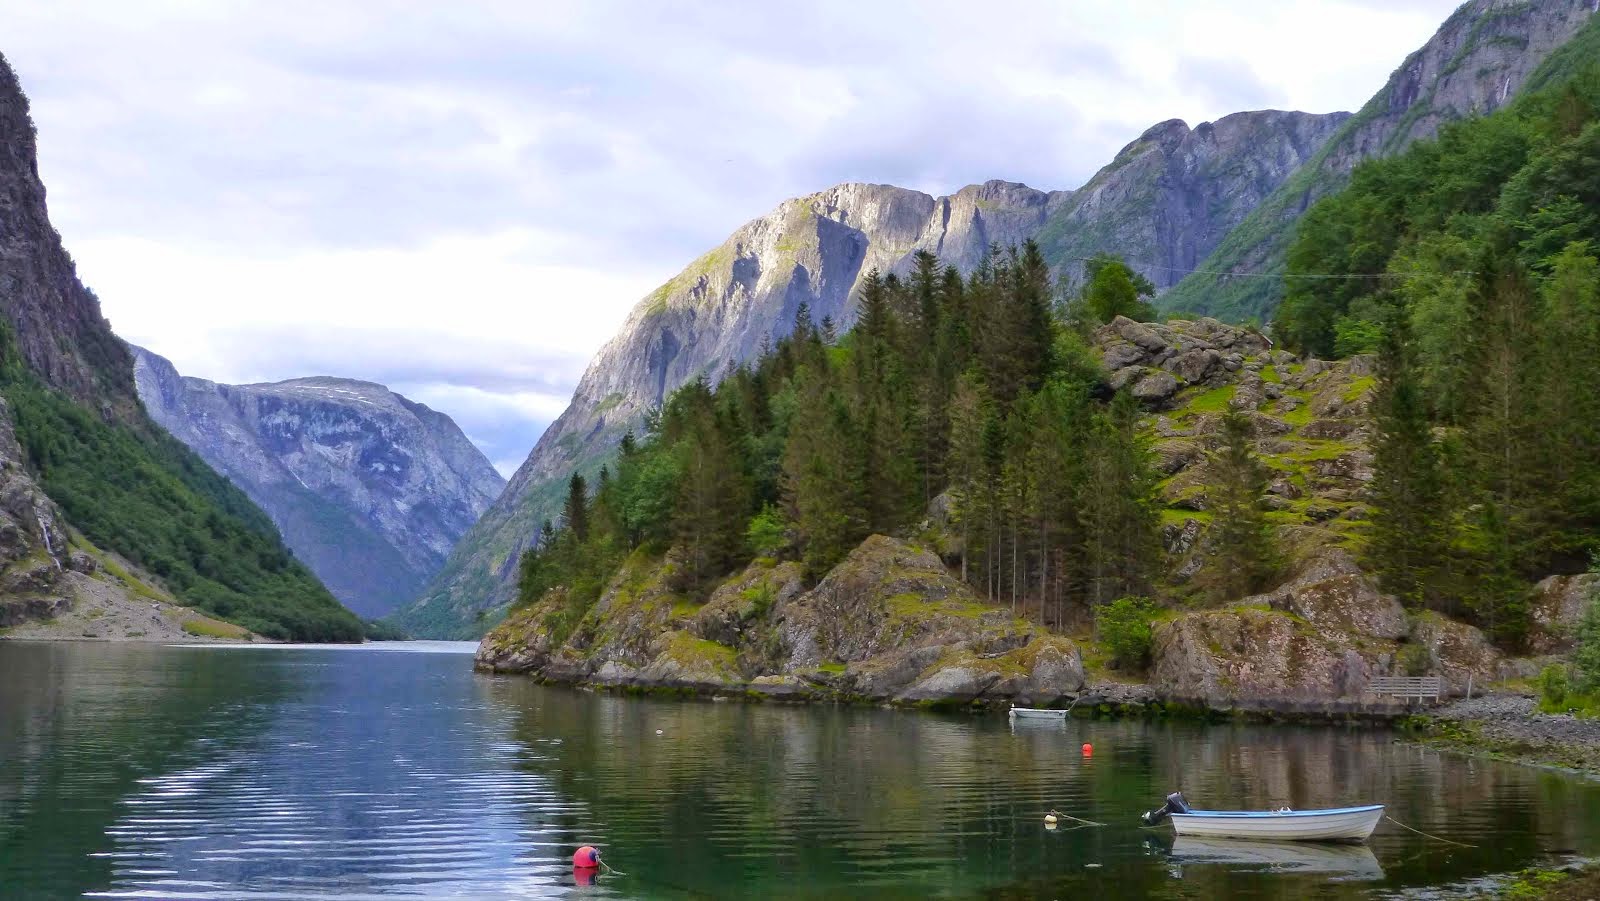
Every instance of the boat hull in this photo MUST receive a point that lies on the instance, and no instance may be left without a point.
(1346, 824)
(1032, 713)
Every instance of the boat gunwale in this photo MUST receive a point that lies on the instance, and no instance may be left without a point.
(1274, 814)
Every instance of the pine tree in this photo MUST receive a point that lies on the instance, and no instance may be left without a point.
(1409, 539)
(1503, 446)
(1246, 551)
(1567, 402)
(575, 512)
(1119, 511)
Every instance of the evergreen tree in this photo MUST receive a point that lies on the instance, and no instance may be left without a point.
(1409, 542)
(1246, 555)
(575, 512)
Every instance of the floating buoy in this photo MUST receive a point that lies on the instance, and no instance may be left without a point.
(1049, 827)
(658, 731)
(586, 858)
(1088, 749)
(1050, 819)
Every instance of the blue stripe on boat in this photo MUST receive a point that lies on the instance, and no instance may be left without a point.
(1268, 813)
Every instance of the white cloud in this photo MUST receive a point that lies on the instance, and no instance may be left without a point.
(465, 199)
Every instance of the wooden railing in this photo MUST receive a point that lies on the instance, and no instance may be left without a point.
(1403, 687)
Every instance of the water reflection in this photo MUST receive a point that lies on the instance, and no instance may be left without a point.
(1345, 861)
(309, 773)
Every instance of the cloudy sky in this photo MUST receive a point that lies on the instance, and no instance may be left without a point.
(461, 200)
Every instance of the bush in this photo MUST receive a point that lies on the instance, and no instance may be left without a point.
(768, 532)
(1123, 627)
(1553, 689)
(1415, 660)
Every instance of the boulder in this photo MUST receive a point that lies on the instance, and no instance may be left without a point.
(1255, 658)
(1155, 387)
(1194, 366)
(1333, 594)
(1459, 652)
(1556, 608)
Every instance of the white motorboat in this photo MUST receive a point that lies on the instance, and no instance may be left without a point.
(1337, 824)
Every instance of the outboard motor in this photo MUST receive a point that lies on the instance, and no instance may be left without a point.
(1175, 804)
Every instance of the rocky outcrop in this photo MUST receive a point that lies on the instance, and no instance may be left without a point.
(1555, 609)
(1158, 359)
(1477, 62)
(887, 624)
(1333, 594)
(369, 489)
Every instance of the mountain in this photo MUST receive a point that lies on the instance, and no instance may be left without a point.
(1172, 194)
(1479, 59)
(1222, 195)
(1170, 197)
(370, 489)
(96, 500)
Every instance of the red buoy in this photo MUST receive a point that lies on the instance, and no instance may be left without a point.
(586, 858)
(1087, 749)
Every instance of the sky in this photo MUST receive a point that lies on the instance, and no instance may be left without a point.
(462, 200)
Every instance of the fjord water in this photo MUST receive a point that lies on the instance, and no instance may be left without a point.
(384, 772)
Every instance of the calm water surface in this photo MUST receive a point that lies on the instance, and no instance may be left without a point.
(289, 773)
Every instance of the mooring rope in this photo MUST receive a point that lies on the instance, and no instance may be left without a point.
(1068, 816)
(1426, 835)
(610, 870)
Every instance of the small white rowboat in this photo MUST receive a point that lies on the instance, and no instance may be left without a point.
(1340, 824)
(1037, 713)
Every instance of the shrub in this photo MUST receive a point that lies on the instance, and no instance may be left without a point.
(1123, 627)
(1415, 660)
(1553, 689)
(768, 532)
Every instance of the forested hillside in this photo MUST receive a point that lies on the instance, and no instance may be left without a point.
(1470, 262)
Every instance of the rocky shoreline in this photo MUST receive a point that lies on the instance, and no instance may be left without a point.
(1510, 727)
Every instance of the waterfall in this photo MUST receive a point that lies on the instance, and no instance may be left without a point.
(50, 548)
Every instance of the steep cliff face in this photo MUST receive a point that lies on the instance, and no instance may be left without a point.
(1169, 197)
(1479, 59)
(56, 321)
(368, 488)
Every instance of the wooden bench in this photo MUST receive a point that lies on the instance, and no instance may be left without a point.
(1408, 687)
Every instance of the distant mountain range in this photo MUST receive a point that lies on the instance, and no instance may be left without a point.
(369, 489)
(1221, 198)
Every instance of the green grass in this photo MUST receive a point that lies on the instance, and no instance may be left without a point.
(1214, 401)
(1358, 387)
(206, 627)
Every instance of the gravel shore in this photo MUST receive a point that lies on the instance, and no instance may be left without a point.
(1511, 724)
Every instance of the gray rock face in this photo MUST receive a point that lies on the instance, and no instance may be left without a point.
(370, 489)
(1477, 62)
(1169, 197)
(55, 320)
